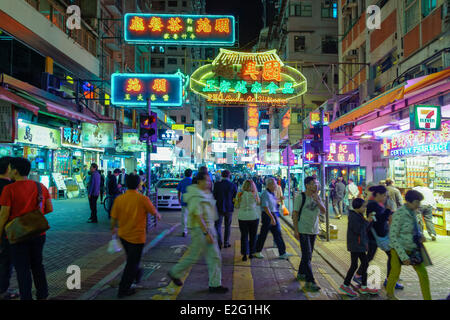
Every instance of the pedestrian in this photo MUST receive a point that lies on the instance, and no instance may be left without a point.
(426, 208)
(182, 186)
(94, 192)
(248, 217)
(405, 238)
(307, 207)
(338, 201)
(6, 266)
(283, 184)
(113, 188)
(224, 193)
(357, 245)
(102, 186)
(123, 178)
(17, 199)
(383, 215)
(352, 192)
(143, 186)
(129, 213)
(201, 216)
(394, 194)
(270, 221)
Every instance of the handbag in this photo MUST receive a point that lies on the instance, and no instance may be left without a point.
(382, 242)
(285, 210)
(29, 225)
(420, 254)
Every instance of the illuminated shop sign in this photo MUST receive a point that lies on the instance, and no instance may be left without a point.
(416, 142)
(314, 118)
(70, 137)
(133, 89)
(217, 135)
(98, 136)
(180, 29)
(223, 147)
(248, 78)
(340, 153)
(131, 143)
(425, 117)
(37, 135)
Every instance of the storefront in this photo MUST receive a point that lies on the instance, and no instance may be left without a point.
(423, 155)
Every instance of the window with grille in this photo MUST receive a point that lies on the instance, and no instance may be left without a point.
(427, 7)
(411, 15)
(172, 4)
(303, 9)
(299, 43)
(329, 10)
(329, 44)
(172, 61)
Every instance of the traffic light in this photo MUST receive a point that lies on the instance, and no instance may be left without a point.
(149, 127)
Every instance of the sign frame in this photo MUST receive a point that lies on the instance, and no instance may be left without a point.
(415, 121)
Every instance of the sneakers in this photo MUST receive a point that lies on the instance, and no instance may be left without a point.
(347, 290)
(258, 255)
(285, 256)
(9, 295)
(227, 245)
(366, 290)
(311, 286)
(357, 279)
(391, 297)
(128, 293)
(433, 238)
(301, 277)
(220, 289)
(398, 286)
(244, 258)
(90, 220)
(176, 281)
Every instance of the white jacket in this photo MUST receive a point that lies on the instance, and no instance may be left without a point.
(248, 208)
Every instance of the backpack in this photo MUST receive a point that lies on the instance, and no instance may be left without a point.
(302, 205)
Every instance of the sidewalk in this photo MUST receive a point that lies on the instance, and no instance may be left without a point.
(336, 254)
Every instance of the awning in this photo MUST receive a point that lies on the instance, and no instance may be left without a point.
(378, 102)
(7, 95)
(427, 81)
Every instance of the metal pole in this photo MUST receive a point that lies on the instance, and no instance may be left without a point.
(149, 149)
(322, 170)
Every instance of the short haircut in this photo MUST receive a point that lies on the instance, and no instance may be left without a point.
(378, 190)
(308, 180)
(350, 180)
(4, 163)
(270, 180)
(203, 169)
(22, 165)
(117, 171)
(357, 203)
(201, 176)
(94, 165)
(141, 172)
(133, 182)
(389, 182)
(226, 174)
(188, 173)
(413, 195)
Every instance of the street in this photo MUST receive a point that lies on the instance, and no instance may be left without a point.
(72, 241)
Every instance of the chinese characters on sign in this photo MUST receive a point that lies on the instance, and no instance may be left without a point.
(71, 137)
(135, 89)
(340, 153)
(425, 117)
(416, 142)
(180, 29)
(6, 122)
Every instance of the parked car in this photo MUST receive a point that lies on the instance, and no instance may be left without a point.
(168, 194)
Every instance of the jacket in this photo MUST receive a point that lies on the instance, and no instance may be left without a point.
(94, 184)
(381, 225)
(357, 232)
(402, 231)
(111, 185)
(395, 196)
(339, 189)
(200, 203)
(224, 193)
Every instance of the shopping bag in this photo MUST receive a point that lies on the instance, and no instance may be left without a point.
(285, 211)
(114, 245)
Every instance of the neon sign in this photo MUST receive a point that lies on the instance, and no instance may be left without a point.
(248, 78)
(425, 117)
(413, 142)
(340, 153)
(134, 89)
(179, 29)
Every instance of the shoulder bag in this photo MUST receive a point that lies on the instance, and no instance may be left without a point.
(29, 225)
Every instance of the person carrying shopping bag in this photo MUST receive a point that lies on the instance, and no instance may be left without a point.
(248, 215)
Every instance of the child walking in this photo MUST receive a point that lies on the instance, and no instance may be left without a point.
(357, 244)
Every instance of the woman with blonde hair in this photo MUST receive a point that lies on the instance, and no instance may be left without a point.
(248, 214)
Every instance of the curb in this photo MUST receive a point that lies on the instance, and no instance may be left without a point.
(99, 287)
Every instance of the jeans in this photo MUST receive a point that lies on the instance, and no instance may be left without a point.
(362, 256)
(93, 206)
(228, 216)
(307, 246)
(276, 233)
(338, 207)
(131, 271)
(249, 234)
(6, 266)
(371, 254)
(184, 214)
(427, 213)
(27, 259)
(198, 246)
(395, 274)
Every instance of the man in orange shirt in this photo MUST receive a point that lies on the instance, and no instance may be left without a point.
(129, 212)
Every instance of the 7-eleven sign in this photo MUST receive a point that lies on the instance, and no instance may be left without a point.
(425, 117)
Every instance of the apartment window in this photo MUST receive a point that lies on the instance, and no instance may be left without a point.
(183, 61)
(427, 7)
(183, 119)
(329, 10)
(157, 63)
(381, 3)
(159, 5)
(329, 44)
(185, 4)
(172, 48)
(299, 43)
(412, 15)
(171, 60)
(172, 4)
(303, 9)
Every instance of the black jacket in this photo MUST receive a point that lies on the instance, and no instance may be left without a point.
(112, 187)
(357, 232)
(224, 193)
(382, 215)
